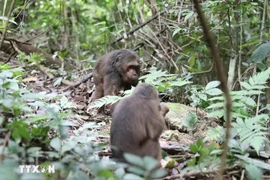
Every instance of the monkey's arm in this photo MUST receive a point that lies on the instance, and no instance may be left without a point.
(164, 109)
(155, 126)
(111, 86)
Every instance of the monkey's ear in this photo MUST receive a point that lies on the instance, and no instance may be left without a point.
(119, 56)
(116, 60)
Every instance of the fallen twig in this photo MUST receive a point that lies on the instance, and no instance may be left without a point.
(84, 79)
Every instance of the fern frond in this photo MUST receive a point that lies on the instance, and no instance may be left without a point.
(251, 131)
(104, 101)
(154, 75)
(215, 134)
(190, 121)
(259, 78)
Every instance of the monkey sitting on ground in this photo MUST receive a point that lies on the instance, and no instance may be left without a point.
(137, 123)
(115, 71)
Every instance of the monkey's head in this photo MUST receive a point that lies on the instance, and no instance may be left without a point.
(129, 67)
(146, 91)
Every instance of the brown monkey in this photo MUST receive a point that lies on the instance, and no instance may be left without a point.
(115, 71)
(164, 109)
(137, 122)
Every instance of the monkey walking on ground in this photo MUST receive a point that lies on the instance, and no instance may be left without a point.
(137, 123)
(115, 71)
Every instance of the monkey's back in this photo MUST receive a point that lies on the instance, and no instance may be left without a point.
(129, 127)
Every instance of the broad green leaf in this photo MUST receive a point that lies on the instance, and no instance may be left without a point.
(214, 92)
(254, 172)
(8, 169)
(250, 102)
(188, 15)
(179, 83)
(257, 143)
(212, 85)
(218, 113)
(245, 85)
(136, 170)
(37, 118)
(70, 144)
(216, 105)
(219, 98)
(192, 60)
(107, 174)
(56, 143)
(193, 148)
(149, 163)
(33, 150)
(261, 52)
(255, 162)
(24, 131)
(176, 31)
(202, 96)
(57, 81)
(133, 159)
(158, 173)
(132, 176)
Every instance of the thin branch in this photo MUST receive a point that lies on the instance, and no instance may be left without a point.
(84, 79)
(221, 75)
(5, 30)
(137, 28)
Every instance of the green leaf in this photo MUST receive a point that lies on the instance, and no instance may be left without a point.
(176, 31)
(107, 174)
(24, 131)
(214, 92)
(103, 101)
(58, 81)
(192, 60)
(257, 142)
(149, 163)
(212, 85)
(202, 96)
(16, 136)
(193, 148)
(245, 85)
(179, 83)
(192, 162)
(249, 101)
(33, 150)
(216, 105)
(254, 172)
(56, 143)
(133, 159)
(132, 176)
(261, 53)
(267, 106)
(188, 15)
(36, 118)
(120, 172)
(7, 169)
(255, 162)
(158, 173)
(136, 170)
(40, 131)
(218, 113)
(68, 146)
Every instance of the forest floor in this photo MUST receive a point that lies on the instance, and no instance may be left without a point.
(174, 141)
